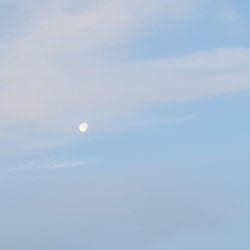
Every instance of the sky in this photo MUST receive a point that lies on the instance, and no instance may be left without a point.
(164, 87)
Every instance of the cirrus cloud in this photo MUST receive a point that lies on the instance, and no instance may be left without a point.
(57, 70)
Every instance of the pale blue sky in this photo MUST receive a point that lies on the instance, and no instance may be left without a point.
(164, 86)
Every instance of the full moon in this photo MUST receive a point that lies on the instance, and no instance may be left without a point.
(83, 127)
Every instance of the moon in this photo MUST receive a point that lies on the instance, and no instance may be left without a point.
(83, 127)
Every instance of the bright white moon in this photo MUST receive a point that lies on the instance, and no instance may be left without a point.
(83, 127)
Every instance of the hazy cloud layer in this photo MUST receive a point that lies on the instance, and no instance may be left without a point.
(56, 69)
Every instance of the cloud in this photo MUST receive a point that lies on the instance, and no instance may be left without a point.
(60, 57)
(56, 72)
(71, 164)
(104, 90)
(39, 165)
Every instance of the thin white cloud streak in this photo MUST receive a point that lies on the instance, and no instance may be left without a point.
(192, 76)
(56, 74)
(73, 164)
(36, 165)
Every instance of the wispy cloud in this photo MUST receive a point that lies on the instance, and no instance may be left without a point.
(59, 63)
(37, 80)
(37, 165)
(70, 164)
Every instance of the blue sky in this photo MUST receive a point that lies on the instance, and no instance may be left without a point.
(164, 86)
